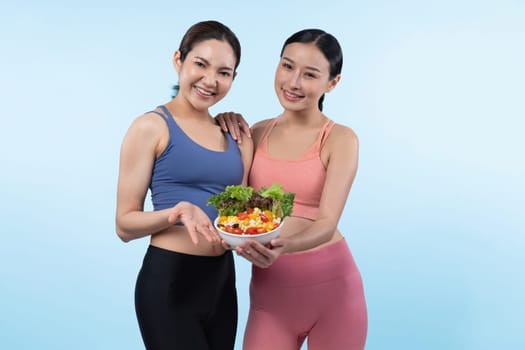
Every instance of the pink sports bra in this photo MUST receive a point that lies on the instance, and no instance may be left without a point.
(304, 176)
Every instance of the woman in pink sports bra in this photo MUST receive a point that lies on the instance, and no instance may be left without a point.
(305, 283)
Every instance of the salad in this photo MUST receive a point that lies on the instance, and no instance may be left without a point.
(244, 211)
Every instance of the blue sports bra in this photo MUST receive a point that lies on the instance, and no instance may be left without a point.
(187, 171)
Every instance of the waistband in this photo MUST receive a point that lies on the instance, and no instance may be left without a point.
(170, 257)
(309, 267)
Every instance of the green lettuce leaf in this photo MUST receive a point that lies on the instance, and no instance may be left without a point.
(238, 198)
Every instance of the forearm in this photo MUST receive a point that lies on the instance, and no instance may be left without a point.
(319, 232)
(138, 224)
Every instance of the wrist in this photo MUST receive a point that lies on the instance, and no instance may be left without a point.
(287, 246)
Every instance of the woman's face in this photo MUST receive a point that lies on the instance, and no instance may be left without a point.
(207, 73)
(302, 77)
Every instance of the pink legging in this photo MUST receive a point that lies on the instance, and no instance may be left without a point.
(316, 294)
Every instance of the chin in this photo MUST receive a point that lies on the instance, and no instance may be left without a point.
(201, 104)
(291, 105)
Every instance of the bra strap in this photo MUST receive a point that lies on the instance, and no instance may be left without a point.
(267, 129)
(325, 132)
(162, 115)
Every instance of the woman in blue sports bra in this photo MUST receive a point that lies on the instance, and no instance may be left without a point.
(185, 296)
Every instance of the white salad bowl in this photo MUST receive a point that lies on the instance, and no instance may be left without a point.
(236, 239)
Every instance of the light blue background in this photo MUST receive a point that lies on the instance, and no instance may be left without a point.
(434, 89)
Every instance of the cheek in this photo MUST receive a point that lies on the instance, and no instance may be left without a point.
(276, 81)
(225, 85)
(185, 75)
(315, 89)
(280, 77)
(277, 85)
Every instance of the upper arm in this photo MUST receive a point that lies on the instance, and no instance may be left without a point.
(246, 148)
(342, 150)
(137, 156)
(258, 131)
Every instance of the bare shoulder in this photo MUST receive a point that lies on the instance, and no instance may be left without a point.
(343, 135)
(147, 132)
(258, 130)
(148, 124)
(341, 150)
(260, 125)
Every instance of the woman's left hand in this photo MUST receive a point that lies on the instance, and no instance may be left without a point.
(261, 255)
(234, 123)
(196, 221)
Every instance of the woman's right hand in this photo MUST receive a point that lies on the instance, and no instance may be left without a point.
(262, 255)
(234, 123)
(196, 222)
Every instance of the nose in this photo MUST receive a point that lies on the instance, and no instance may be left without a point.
(295, 79)
(209, 79)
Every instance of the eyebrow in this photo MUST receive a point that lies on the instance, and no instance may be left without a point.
(207, 62)
(308, 67)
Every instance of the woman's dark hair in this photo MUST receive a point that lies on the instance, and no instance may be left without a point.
(327, 44)
(206, 30)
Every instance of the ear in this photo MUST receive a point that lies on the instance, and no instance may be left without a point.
(332, 83)
(177, 62)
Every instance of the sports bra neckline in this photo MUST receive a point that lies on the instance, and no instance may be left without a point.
(171, 119)
(311, 152)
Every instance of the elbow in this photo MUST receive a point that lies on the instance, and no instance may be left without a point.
(123, 238)
(122, 234)
(328, 232)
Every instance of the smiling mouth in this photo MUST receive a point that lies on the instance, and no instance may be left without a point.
(204, 92)
(291, 96)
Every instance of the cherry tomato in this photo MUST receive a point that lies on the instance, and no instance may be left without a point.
(263, 217)
(251, 231)
(242, 215)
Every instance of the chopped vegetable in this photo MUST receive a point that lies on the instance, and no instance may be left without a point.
(238, 198)
(244, 211)
(250, 222)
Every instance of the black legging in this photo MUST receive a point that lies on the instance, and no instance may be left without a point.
(186, 301)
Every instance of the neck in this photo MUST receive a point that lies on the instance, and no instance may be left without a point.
(302, 118)
(180, 108)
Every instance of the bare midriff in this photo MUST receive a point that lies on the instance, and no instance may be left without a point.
(177, 238)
